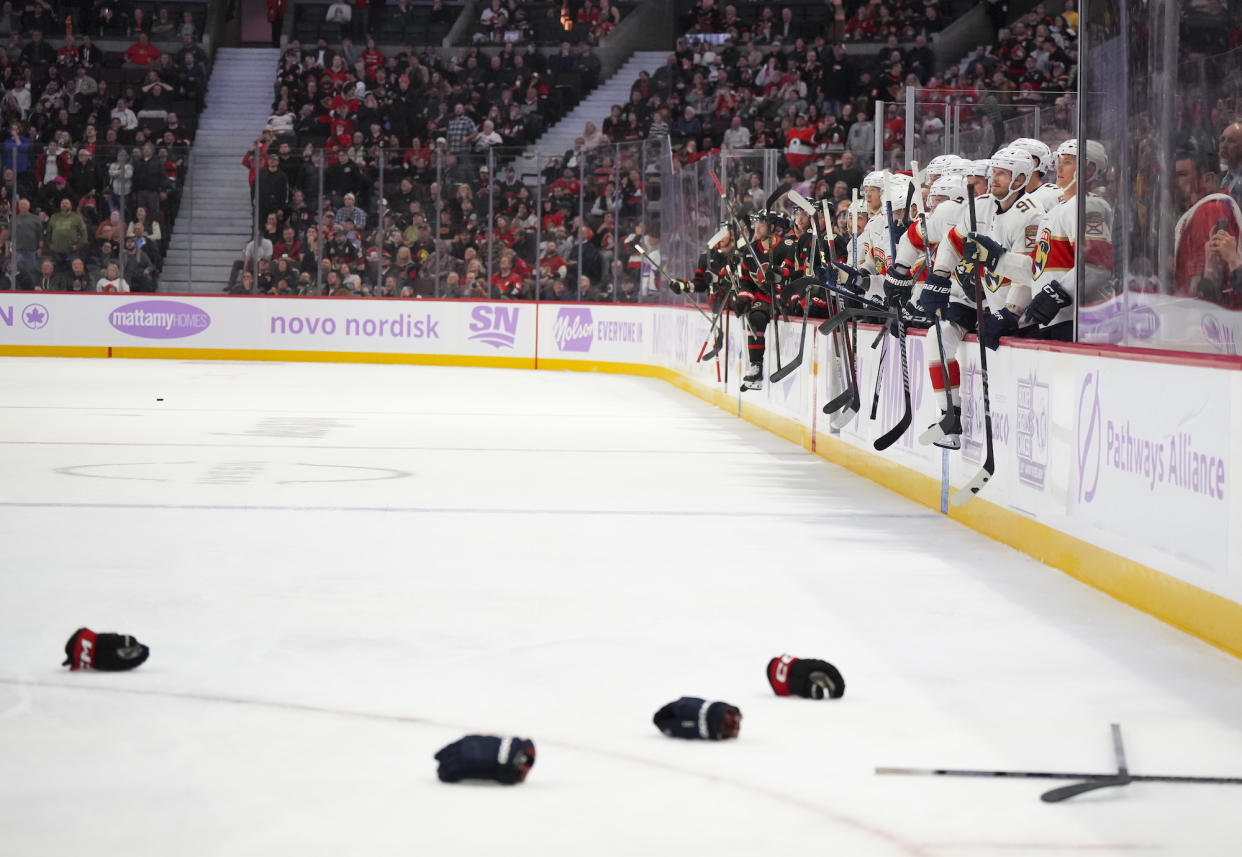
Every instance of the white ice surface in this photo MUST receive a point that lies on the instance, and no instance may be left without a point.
(340, 569)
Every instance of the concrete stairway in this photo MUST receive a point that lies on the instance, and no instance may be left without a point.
(214, 223)
(594, 108)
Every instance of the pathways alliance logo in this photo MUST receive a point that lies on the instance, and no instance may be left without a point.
(494, 325)
(159, 319)
(574, 329)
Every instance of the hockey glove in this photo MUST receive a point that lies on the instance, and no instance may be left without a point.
(1049, 301)
(1002, 323)
(794, 303)
(983, 250)
(898, 285)
(935, 294)
(790, 676)
(692, 717)
(844, 277)
(486, 757)
(87, 650)
(680, 286)
(742, 302)
(915, 317)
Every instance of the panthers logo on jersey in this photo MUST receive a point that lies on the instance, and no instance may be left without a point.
(880, 259)
(991, 280)
(1042, 248)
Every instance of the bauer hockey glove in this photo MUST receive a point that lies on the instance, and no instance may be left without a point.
(898, 285)
(1002, 323)
(692, 717)
(982, 249)
(790, 676)
(486, 757)
(935, 294)
(1048, 301)
(915, 317)
(87, 650)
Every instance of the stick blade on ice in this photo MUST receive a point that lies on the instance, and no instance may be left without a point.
(1074, 789)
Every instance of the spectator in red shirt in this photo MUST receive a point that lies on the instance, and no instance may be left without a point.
(506, 281)
(143, 52)
(1201, 270)
(372, 57)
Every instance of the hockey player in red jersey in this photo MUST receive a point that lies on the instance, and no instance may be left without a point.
(753, 301)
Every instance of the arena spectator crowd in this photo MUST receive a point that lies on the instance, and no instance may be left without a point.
(767, 77)
(436, 130)
(95, 143)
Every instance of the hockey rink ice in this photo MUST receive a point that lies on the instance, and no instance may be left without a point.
(341, 568)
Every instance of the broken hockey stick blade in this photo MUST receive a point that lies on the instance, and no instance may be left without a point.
(1061, 793)
(1122, 777)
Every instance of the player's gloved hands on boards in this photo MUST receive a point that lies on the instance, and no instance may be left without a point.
(692, 717)
(1002, 323)
(982, 249)
(843, 276)
(1048, 301)
(935, 294)
(914, 316)
(898, 285)
(486, 757)
(742, 302)
(807, 677)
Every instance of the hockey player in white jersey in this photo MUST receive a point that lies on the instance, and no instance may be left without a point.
(1046, 193)
(947, 200)
(1005, 220)
(1044, 295)
(869, 258)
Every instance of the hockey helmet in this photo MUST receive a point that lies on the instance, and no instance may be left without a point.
(1018, 162)
(779, 220)
(1040, 152)
(953, 187)
(957, 166)
(980, 167)
(874, 179)
(939, 165)
(899, 190)
(1096, 156)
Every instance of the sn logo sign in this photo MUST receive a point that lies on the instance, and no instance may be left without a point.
(495, 325)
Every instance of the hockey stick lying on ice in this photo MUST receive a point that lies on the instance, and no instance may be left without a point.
(974, 486)
(891, 436)
(1122, 778)
(1089, 782)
